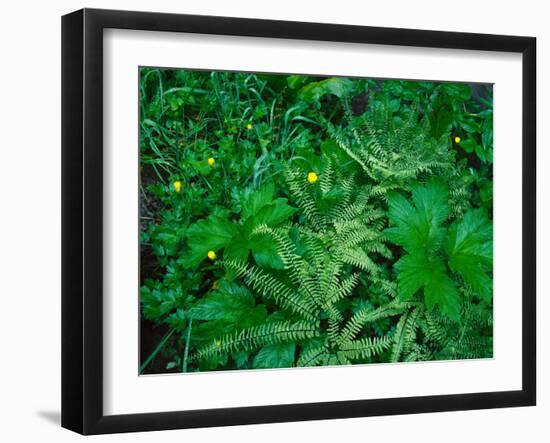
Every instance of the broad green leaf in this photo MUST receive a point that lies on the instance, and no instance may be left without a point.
(431, 201)
(471, 126)
(259, 207)
(296, 81)
(223, 304)
(482, 154)
(231, 303)
(254, 200)
(274, 213)
(157, 303)
(240, 358)
(238, 248)
(418, 271)
(210, 234)
(441, 121)
(337, 86)
(400, 210)
(486, 191)
(419, 228)
(487, 134)
(468, 145)
(275, 356)
(412, 270)
(469, 245)
(265, 252)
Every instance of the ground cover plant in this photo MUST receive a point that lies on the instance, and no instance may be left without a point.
(294, 221)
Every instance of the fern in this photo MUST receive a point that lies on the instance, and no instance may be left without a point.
(335, 250)
(265, 334)
(354, 228)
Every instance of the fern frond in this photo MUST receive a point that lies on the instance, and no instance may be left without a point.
(343, 289)
(368, 315)
(298, 188)
(360, 259)
(366, 347)
(405, 334)
(258, 336)
(326, 178)
(270, 287)
(313, 356)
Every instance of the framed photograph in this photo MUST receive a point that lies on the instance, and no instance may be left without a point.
(269, 221)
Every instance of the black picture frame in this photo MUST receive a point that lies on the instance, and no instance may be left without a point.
(82, 219)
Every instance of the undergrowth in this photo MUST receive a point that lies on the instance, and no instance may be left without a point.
(292, 221)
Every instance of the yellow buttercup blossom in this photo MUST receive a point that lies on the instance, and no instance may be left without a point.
(177, 186)
(211, 161)
(312, 177)
(211, 255)
(457, 139)
(249, 126)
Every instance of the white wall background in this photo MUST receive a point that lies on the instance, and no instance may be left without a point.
(30, 219)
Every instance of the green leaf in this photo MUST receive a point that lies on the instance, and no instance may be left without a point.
(275, 356)
(419, 228)
(482, 154)
(238, 248)
(441, 121)
(296, 81)
(487, 134)
(431, 201)
(469, 245)
(468, 145)
(255, 199)
(337, 86)
(210, 234)
(417, 271)
(471, 126)
(486, 191)
(265, 252)
(232, 304)
(274, 213)
(158, 302)
(259, 207)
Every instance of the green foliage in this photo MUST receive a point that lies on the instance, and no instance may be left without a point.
(420, 229)
(469, 245)
(299, 220)
(217, 232)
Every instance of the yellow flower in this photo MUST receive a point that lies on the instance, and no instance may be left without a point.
(457, 139)
(211, 255)
(177, 186)
(211, 161)
(312, 177)
(249, 126)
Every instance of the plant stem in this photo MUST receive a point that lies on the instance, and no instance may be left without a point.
(156, 351)
(187, 340)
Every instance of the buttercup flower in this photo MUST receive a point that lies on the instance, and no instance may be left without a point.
(211, 255)
(211, 161)
(177, 186)
(312, 177)
(457, 139)
(249, 126)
